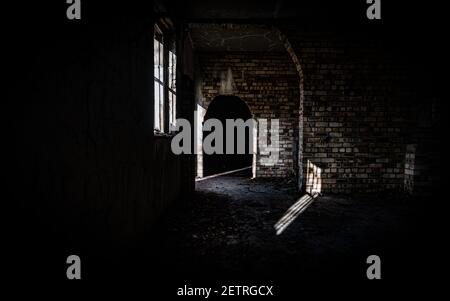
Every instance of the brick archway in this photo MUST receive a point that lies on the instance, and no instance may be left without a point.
(298, 66)
(224, 108)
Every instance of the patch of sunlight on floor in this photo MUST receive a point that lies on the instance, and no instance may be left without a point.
(293, 212)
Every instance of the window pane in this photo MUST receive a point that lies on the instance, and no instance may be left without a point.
(158, 61)
(161, 107)
(172, 70)
(161, 67)
(170, 108)
(156, 102)
(156, 58)
(174, 109)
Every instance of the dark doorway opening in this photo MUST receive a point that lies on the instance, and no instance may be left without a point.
(223, 108)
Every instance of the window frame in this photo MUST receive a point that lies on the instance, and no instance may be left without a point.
(166, 38)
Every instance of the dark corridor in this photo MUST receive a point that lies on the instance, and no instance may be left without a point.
(231, 108)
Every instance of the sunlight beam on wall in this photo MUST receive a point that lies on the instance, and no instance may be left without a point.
(313, 179)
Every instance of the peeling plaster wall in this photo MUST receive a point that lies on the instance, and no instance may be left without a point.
(235, 37)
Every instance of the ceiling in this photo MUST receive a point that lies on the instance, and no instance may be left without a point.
(231, 9)
(234, 37)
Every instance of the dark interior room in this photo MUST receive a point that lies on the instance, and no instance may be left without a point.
(216, 144)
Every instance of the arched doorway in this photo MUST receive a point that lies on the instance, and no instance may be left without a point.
(223, 108)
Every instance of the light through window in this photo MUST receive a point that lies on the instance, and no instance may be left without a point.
(165, 77)
(172, 88)
(159, 84)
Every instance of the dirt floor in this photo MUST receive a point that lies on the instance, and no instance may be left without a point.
(227, 231)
